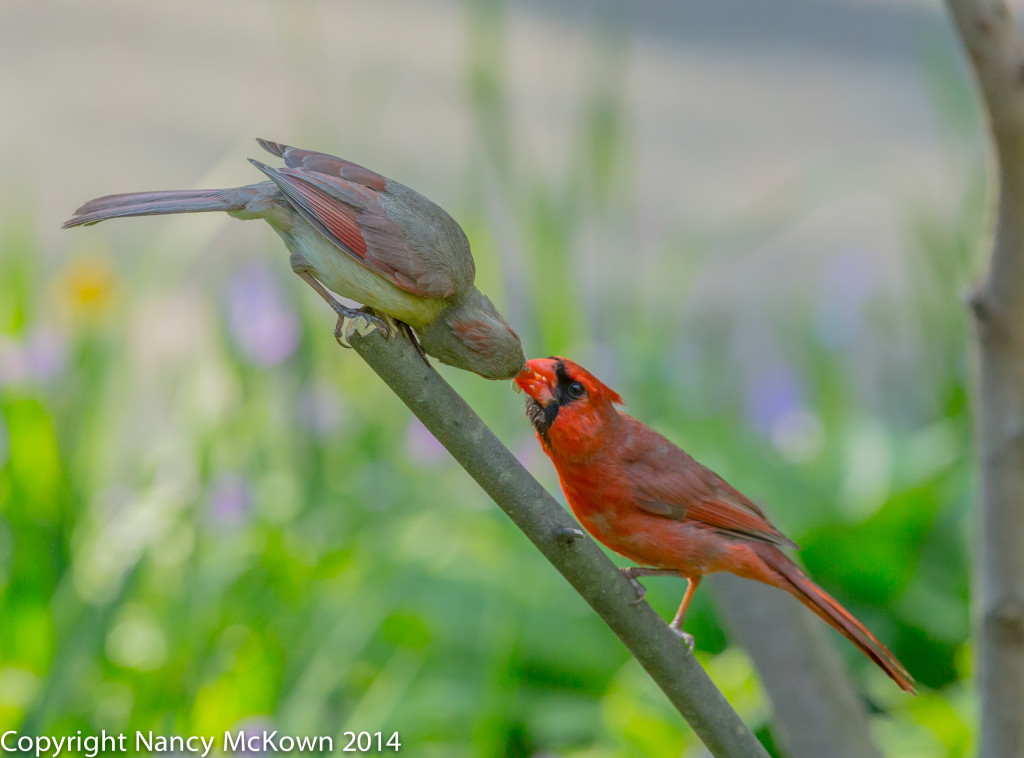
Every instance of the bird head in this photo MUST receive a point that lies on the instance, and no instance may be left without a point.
(472, 335)
(567, 405)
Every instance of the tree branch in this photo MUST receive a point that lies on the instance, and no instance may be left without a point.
(562, 542)
(996, 53)
(816, 709)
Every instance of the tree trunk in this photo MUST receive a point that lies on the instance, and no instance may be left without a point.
(996, 52)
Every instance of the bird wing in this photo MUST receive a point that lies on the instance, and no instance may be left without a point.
(349, 213)
(323, 163)
(671, 484)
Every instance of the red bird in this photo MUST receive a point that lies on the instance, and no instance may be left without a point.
(648, 500)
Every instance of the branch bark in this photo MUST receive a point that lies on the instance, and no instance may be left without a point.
(996, 53)
(816, 708)
(562, 542)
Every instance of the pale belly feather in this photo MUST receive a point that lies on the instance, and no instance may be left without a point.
(343, 274)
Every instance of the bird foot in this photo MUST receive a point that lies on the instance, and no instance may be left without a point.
(361, 321)
(411, 335)
(351, 321)
(641, 591)
(686, 638)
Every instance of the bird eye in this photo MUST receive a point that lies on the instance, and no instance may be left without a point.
(576, 390)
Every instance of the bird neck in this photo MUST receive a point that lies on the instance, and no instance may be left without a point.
(584, 434)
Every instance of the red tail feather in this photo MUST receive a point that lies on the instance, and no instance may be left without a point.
(798, 584)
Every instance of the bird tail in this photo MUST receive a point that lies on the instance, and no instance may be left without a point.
(159, 203)
(798, 584)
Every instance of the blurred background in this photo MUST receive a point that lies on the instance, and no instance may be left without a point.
(754, 219)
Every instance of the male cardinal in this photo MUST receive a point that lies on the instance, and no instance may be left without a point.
(366, 237)
(648, 500)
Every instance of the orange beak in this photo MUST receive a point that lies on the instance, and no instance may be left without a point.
(538, 380)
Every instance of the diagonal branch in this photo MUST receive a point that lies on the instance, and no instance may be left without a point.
(560, 539)
(996, 53)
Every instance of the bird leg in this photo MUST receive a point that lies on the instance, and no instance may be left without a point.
(677, 623)
(362, 320)
(343, 329)
(632, 572)
(407, 330)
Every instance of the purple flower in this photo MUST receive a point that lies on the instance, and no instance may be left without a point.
(850, 276)
(261, 323)
(847, 282)
(45, 352)
(320, 409)
(420, 445)
(13, 362)
(39, 356)
(771, 397)
(229, 500)
(776, 409)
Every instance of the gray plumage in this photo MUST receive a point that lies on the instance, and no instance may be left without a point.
(366, 237)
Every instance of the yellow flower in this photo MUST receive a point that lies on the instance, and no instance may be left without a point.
(88, 284)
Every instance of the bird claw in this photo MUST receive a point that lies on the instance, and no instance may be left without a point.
(641, 591)
(339, 332)
(361, 322)
(685, 637)
(411, 336)
(351, 321)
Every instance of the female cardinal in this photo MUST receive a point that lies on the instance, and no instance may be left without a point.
(366, 237)
(648, 500)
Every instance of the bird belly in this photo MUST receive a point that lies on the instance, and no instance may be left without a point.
(692, 549)
(649, 540)
(340, 272)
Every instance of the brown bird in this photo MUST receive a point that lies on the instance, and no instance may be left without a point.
(366, 237)
(646, 499)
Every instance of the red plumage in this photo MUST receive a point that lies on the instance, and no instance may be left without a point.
(649, 501)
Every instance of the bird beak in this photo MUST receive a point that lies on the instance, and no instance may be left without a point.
(538, 380)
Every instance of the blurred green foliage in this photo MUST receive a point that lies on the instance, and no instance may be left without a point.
(212, 517)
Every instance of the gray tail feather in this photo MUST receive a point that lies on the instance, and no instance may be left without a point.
(159, 203)
(276, 148)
